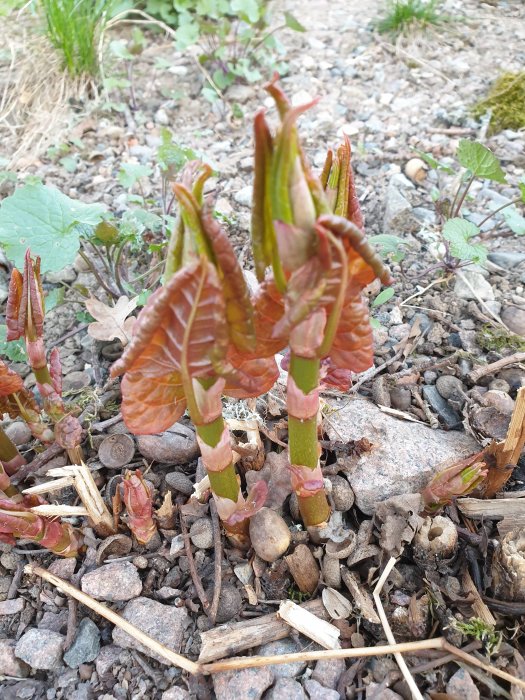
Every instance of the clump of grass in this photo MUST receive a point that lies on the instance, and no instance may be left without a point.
(403, 16)
(506, 101)
(74, 27)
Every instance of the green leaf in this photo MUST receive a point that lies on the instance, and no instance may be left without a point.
(459, 232)
(46, 220)
(14, 350)
(69, 163)
(186, 35)
(389, 245)
(293, 23)
(248, 9)
(54, 298)
(480, 161)
(514, 220)
(129, 173)
(433, 163)
(383, 296)
(521, 185)
(170, 155)
(119, 48)
(144, 296)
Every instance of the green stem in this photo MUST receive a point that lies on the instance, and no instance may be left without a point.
(223, 483)
(302, 440)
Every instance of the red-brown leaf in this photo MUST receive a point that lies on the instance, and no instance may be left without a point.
(151, 404)
(10, 381)
(249, 377)
(182, 323)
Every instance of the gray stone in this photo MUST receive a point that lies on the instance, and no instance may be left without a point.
(11, 607)
(317, 692)
(107, 657)
(244, 196)
(472, 285)
(18, 432)
(247, 684)
(283, 646)
(177, 445)
(327, 672)
(161, 117)
(86, 644)
(179, 482)
(201, 533)
(9, 664)
(446, 413)
(67, 274)
(400, 398)
(286, 689)
(506, 259)
(115, 581)
(240, 93)
(450, 387)
(384, 472)
(164, 623)
(40, 649)
(64, 567)
(462, 687)
(514, 318)
(175, 693)
(56, 622)
(398, 217)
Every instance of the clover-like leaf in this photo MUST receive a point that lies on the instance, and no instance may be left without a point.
(111, 321)
(480, 161)
(130, 173)
(459, 232)
(47, 220)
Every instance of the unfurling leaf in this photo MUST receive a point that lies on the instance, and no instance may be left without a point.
(459, 232)
(111, 321)
(480, 161)
(139, 505)
(454, 481)
(383, 296)
(514, 220)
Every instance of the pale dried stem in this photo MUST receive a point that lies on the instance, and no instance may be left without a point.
(59, 510)
(322, 632)
(494, 367)
(217, 550)
(79, 476)
(257, 661)
(388, 631)
(115, 618)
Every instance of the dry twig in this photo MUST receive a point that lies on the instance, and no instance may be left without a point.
(217, 551)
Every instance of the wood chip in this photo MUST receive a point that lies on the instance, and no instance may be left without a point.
(322, 632)
(304, 568)
(232, 638)
(492, 508)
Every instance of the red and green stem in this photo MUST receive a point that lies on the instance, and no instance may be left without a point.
(303, 444)
(217, 457)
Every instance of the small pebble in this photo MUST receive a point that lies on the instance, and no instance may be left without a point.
(269, 534)
(499, 400)
(400, 398)
(450, 388)
(499, 385)
(201, 533)
(514, 318)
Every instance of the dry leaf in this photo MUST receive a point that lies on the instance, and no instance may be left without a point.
(111, 321)
(337, 606)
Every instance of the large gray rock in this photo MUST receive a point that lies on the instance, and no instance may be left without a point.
(113, 582)
(40, 649)
(404, 455)
(164, 623)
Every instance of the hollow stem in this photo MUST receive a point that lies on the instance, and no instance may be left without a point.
(303, 444)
